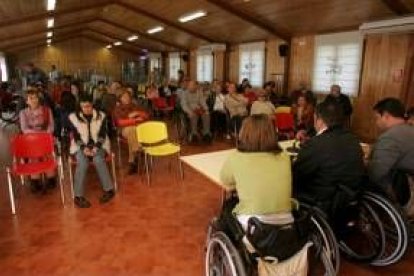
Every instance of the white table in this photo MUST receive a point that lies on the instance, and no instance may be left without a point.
(210, 164)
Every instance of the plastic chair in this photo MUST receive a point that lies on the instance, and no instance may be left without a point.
(153, 137)
(285, 124)
(33, 146)
(283, 109)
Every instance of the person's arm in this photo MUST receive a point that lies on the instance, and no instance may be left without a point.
(347, 106)
(76, 135)
(203, 102)
(24, 126)
(102, 132)
(227, 177)
(383, 157)
(51, 125)
(184, 103)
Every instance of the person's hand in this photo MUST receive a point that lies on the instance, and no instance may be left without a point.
(301, 135)
(133, 114)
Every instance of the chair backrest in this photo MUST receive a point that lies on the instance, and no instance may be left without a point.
(283, 109)
(32, 145)
(284, 121)
(160, 102)
(152, 132)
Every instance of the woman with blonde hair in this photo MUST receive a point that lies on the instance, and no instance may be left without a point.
(260, 172)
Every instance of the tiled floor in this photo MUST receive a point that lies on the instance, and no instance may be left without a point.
(157, 230)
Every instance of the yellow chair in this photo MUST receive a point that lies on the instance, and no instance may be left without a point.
(283, 109)
(153, 137)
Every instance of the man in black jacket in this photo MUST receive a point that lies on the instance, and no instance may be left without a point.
(342, 100)
(330, 161)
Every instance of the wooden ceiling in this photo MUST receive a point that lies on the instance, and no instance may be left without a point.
(23, 22)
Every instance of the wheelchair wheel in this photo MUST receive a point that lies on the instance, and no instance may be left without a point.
(222, 258)
(324, 258)
(360, 233)
(395, 228)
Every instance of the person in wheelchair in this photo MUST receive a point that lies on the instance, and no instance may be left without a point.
(329, 168)
(194, 105)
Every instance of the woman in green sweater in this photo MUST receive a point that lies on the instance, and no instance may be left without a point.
(260, 172)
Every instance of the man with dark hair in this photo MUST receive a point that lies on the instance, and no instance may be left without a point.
(394, 150)
(342, 100)
(329, 161)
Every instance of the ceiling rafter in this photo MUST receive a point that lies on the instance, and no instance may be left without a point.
(56, 13)
(397, 7)
(252, 19)
(164, 21)
(103, 41)
(120, 26)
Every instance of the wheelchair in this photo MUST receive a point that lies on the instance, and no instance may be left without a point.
(227, 255)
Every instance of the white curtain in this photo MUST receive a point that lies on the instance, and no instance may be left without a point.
(204, 66)
(337, 61)
(252, 60)
(174, 61)
(3, 68)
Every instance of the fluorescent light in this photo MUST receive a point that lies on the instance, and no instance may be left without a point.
(108, 46)
(51, 4)
(155, 30)
(118, 43)
(49, 41)
(49, 34)
(132, 38)
(50, 23)
(192, 16)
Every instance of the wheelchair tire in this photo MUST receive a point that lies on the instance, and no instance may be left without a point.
(222, 258)
(395, 228)
(364, 233)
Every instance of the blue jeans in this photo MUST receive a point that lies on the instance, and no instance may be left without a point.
(82, 168)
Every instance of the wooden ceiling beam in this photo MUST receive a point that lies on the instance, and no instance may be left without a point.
(252, 19)
(99, 40)
(397, 7)
(143, 34)
(156, 17)
(57, 13)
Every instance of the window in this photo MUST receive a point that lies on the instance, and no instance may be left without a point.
(337, 61)
(155, 61)
(174, 61)
(3, 68)
(252, 59)
(204, 66)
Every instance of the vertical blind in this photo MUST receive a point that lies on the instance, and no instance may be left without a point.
(204, 66)
(3, 68)
(252, 61)
(337, 61)
(174, 65)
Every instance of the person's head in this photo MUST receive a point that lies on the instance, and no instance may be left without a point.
(192, 86)
(74, 89)
(125, 97)
(327, 115)
(410, 116)
(40, 86)
(262, 95)
(101, 84)
(301, 102)
(28, 67)
(258, 134)
(245, 81)
(86, 105)
(335, 90)
(232, 89)
(32, 98)
(115, 85)
(268, 87)
(389, 112)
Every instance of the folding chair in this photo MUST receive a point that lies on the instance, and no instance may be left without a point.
(285, 124)
(39, 150)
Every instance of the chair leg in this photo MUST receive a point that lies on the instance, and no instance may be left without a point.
(114, 172)
(60, 172)
(118, 141)
(146, 169)
(180, 167)
(71, 179)
(11, 195)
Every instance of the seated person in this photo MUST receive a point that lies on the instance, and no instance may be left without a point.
(394, 149)
(342, 100)
(37, 118)
(236, 104)
(330, 160)
(303, 113)
(252, 182)
(262, 105)
(194, 105)
(218, 111)
(90, 143)
(127, 110)
(410, 116)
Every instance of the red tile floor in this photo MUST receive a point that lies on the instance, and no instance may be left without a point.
(157, 230)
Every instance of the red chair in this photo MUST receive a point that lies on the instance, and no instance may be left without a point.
(285, 125)
(33, 146)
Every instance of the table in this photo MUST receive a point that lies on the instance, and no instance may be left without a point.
(210, 164)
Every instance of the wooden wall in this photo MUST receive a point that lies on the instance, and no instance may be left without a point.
(301, 62)
(77, 54)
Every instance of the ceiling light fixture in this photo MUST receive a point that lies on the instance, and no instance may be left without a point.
(155, 30)
(192, 16)
(118, 43)
(50, 23)
(51, 4)
(49, 34)
(132, 38)
(108, 46)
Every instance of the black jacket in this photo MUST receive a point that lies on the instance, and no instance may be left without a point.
(343, 101)
(327, 160)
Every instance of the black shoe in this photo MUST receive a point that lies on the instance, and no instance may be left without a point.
(35, 185)
(133, 168)
(51, 183)
(107, 196)
(82, 202)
